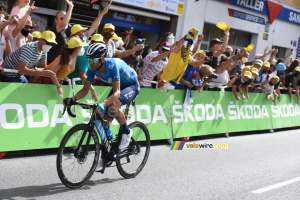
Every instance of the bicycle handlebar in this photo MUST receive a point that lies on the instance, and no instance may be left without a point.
(82, 105)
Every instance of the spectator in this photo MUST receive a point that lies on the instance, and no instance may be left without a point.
(205, 73)
(97, 38)
(228, 51)
(82, 64)
(26, 34)
(61, 22)
(36, 35)
(25, 58)
(5, 48)
(20, 12)
(64, 64)
(264, 70)
(190, 72)
(217, 48)
(245, 80)
(293, 65)
(167, 37)
(240, 65)
(116, 40)
(268, 87)
(153, 64)
(293, 82)
(108, 32)
(127, 37)
(146, 51)
(135, 60)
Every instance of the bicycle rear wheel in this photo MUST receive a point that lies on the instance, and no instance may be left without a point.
(131, 166)
(77, 156)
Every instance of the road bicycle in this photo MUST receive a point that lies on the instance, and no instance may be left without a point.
(80, 149)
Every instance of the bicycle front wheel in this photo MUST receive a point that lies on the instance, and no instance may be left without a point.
(77, 156)
(130, 166)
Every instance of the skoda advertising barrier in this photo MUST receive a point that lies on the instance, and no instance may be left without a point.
(31, 116)
(286, 114)
(205, 116)
(253, 114)
(151, 108)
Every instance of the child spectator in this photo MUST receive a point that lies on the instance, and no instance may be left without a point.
(245, 80)
(268, 87)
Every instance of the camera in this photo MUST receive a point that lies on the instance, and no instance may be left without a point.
(213, 76)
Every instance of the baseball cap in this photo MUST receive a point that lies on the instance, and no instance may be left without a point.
(49, 36)
(75, 42)
(109, 25)
(254, 70)
(165, 45)
(215, 41)
(266, 64)
(297, 69)
(97, 38)
(258, 62)
(115, 37)
(76, 28)
(281, 67)
(201, 51)
(276, 78)
(247, 74)
(36, 34)
(138, 41)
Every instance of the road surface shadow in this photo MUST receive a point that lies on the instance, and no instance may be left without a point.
(36, 191)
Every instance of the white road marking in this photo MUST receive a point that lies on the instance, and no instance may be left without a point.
(275, 186)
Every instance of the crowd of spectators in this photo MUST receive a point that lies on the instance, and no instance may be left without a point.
(59, 54)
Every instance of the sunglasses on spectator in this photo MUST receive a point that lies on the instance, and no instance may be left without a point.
(171, 37)
(28, 27)
(164, 50)
(48, 43)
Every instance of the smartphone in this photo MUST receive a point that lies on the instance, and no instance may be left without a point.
(292, 50)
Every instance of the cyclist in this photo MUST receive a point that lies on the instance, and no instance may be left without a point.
(120, 76)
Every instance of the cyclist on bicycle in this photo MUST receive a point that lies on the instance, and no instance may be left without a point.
(125, 87)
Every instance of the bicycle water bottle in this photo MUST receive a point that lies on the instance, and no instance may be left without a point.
(109, 134)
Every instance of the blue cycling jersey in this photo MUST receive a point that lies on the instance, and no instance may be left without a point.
(115, 70)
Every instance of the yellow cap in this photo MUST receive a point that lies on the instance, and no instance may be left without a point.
(249, 47)
(297, 69)
(247, 74)
(76, 28)
(75, 42)
(201, 51)
(276, 78)
(115, 37)
(254, 70)
(97, 38)
(49, 36)
(266, 64)
(36, 34)
(109, 25)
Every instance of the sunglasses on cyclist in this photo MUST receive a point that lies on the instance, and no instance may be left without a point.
(93, 60)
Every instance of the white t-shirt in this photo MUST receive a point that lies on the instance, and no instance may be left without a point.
(151, 69)
(269, 89)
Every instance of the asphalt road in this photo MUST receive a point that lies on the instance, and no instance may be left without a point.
(254, 166)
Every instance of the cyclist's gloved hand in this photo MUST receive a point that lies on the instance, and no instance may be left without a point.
(100, 107)
(68, 101)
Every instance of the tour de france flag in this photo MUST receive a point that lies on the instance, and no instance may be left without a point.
(178, 145)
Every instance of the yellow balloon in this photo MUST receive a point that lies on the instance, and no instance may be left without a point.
(223, 26)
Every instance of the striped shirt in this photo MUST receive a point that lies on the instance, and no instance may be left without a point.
(28, 53)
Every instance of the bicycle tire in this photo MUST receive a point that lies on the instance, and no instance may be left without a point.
(142, 137)
(75, 172)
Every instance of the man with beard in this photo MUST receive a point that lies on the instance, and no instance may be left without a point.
(112, 51)
(292, 81)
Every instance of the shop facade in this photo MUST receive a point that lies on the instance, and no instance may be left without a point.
(263, 23)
